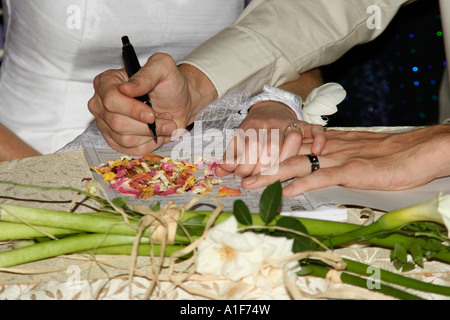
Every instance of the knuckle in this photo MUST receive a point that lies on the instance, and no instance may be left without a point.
(108, 100)
(92, 107)
(161, 57)
(117, 123)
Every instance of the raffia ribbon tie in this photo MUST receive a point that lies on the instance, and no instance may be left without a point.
(163, 223)
(334, 276)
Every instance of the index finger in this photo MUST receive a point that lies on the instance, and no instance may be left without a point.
(317, 133)
(110, 99)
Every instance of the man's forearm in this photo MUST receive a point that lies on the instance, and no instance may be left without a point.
(303, 86)
(274, 40)
(201, 89)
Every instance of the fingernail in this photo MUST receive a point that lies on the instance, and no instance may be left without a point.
(147, 117)
(249, 180)
(287, 191)
(131, 83)
(317, 149)
(166, 129)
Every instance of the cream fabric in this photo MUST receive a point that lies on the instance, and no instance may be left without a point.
(274, 40)
(55, 48)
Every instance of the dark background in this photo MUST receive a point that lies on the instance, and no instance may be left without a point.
(393, 80)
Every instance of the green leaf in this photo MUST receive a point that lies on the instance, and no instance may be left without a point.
(417, 254)
(120, 201)
(194, 226)
(400, 253)
(301, 243)
(156, 206)
(270, 202)
(304, 271)
(242, 213)
(397, 264)
(292, 223)
(408, 266)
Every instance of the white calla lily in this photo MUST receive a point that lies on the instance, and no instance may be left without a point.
(436, 209)
(444, 210)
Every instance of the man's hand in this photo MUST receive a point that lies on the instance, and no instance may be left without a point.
(366, 160)
(177, 95)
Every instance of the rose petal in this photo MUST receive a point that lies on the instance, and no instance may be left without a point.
(228, 192)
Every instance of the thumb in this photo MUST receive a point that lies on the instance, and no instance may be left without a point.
(157, 67)
(136, 86)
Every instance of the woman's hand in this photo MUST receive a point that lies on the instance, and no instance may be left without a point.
(268, 135)
(366, 160)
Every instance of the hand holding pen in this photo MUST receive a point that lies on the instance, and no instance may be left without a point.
(132, 66)
(123, 120)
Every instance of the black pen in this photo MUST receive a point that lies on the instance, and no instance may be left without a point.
(132, 66)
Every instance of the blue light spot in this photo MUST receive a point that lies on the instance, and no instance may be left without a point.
(415, 69)
(416, 83)
(433, 82)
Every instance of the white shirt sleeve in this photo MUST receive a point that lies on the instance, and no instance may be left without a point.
(275, 40)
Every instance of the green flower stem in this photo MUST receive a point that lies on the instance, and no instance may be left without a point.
(143, 250)
(66, 220)
(101, 223)
(321, 271)
(341, 233)
(63, 246)
(358, 234)
(394, 278)
(313, 226)
(104, 223)
(17, 231)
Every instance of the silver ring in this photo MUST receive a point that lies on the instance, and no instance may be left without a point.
(315, 165)
(294, 126)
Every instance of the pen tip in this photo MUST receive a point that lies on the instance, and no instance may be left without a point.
(125, 40)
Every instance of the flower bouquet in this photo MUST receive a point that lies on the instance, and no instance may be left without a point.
(262, 249)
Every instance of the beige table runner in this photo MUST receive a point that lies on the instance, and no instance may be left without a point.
(106, 277)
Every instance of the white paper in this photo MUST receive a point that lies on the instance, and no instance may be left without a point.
(297, 206)
(381, 200)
